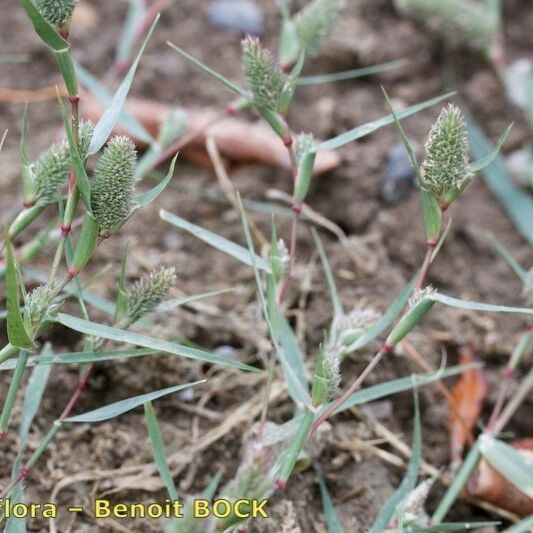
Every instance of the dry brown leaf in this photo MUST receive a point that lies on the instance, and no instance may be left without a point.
(238, 140)
(467, 401)
(489, 485)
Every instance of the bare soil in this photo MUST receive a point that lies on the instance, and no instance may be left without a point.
(388, 241)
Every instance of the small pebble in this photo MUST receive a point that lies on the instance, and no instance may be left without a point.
(399, 177)
(242, 16)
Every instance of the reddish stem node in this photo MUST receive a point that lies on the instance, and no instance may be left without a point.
(73, 272)
(280, 484)
(65, 229)
(74, 99)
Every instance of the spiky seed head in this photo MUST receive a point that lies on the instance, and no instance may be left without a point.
(112, 191)
(265, 78)
(466, 22)
(528, 288)
(331, 367)
(37, 304)
(53, 166)
(85, 136)
(57, 12)
(148, 292)
(315, 22)
(348, 327)
(445, 169)
(49, 172)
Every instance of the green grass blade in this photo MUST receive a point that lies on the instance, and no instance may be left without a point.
(110, 116)
(136, 12)
(335, 299)
(121, 303)
(375, 392)
(288, 459)
(451, 526)
(518, 203)
(82, 180)
(480, 164)
(169, 305)
(123, 406)
(331, 517)
(16, 332)
(455, 488)
(209, 492)
(370, 127)
(208, 70)
(288, 352)
(120, 335)
(516, 267)
(97, 89)
(158, 450)
(479, 306)
(14, 386)
(352, 74)
(216, 241)
(386, 320)
(148, 197)
(509, 462)
(32, 398)
(409, 481)
(72, 358)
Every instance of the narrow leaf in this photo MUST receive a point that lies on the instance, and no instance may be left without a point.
(120, 335)
(169, 305)
(148, 197)
(16, 332)
(337, 305)
(82, 180)
(97, 89)
(71, 358)
(352, 74)
(409, 481)
(509, 462)
(479, 306)
(370, 127)
(32, 398)
(509, 259)
(518, 203)
(331, 517)
(158, 449)
(480, 164)
(112, 113)
(230, 85)
(216, 241)
(376, 392)
(386, 320)
(123, 406)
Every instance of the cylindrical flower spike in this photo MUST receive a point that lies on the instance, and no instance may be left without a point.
(445, 170)
(112, 191)
(265, 78)
(148, 292)
(315, 22)
(58, 12)
(50, 172)
(37, 305)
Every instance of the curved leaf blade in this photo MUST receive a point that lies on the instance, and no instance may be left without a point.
(123, 406)
(120, 335)
(371, 127)
(113, 111)
(216, 241)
